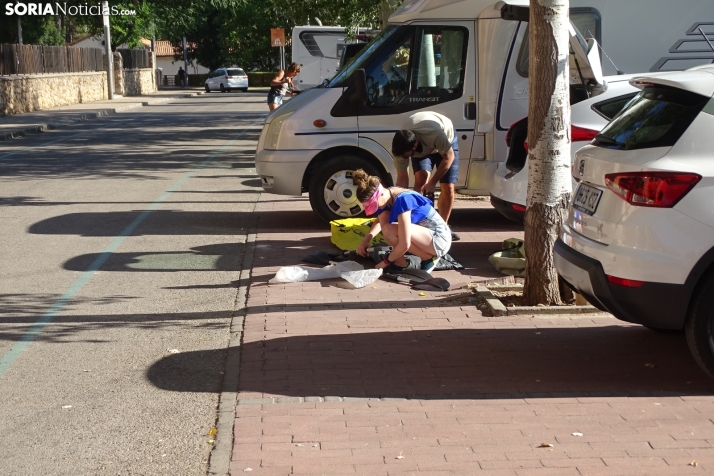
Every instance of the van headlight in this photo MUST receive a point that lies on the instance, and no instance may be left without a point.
(274, 129)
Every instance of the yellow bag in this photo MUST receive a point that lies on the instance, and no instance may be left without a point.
(348, 233)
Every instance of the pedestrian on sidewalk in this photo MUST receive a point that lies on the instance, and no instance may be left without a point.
(279, 85)
(182, 76)
(408, 221)
(429, 140)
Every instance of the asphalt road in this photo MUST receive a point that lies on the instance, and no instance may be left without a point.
(122, 241)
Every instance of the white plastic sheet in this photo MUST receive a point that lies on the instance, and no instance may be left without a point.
(360, 279)
(295, 274)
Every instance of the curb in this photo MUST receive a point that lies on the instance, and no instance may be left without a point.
(498, 309)
(220, 458)
(36, 128)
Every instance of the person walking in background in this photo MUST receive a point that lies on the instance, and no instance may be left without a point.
(407, 220)
(279, 85)
(429, 140)
(182, 77)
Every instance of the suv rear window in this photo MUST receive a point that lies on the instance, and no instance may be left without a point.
(236, 72)
(657, 117)
(612, 107)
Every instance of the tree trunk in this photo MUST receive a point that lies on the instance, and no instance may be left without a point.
(549, 180)
(384, 11)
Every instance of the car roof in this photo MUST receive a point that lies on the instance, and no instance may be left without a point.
(699, 80)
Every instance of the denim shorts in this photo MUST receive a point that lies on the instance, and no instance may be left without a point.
(440, 232)
(275, 99)
(432, 161)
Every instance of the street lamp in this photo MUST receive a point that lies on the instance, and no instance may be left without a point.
(108, 49)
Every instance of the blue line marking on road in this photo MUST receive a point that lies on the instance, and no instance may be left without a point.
(11, 356)
(60, 140)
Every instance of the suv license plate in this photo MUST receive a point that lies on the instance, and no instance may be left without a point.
(587, 199)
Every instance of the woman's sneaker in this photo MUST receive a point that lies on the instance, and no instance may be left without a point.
(428, 265)
(392, 268)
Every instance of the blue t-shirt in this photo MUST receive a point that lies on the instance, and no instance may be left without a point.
(409, 200)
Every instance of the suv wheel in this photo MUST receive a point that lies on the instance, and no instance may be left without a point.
(699, 327)
(208, 90)
(332, 194)
(223, 89)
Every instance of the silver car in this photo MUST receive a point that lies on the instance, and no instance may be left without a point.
(226, 80)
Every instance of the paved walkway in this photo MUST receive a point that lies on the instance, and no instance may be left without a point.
(383, 380)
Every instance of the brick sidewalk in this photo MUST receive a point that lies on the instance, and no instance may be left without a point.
(383, 381)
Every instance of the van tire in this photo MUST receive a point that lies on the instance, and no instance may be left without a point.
(332, 195)
(208, 90)
(223, 88)
(699, 327)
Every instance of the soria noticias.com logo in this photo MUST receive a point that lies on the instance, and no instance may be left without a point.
(57, 8)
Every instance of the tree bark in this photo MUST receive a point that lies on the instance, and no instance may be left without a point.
(384, 11)
(549, 182)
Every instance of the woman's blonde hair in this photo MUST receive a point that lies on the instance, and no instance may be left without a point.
(294, 68)
(366, 184)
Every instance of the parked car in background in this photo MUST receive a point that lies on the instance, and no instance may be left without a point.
(588, 116)
(639, 238)
(226, 80)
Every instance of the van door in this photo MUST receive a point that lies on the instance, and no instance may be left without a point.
(427, 67)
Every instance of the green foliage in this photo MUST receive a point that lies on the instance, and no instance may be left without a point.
(129, 29)
(49, 34)
(219, 32)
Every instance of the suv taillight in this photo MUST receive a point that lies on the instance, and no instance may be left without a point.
(652, 189)
(578, 134)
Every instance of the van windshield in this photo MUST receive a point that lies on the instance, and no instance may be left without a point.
(362, 57)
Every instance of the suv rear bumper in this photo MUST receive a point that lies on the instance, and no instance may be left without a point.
(510, 210)
(656, 305)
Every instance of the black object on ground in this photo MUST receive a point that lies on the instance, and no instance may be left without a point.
(418, 277)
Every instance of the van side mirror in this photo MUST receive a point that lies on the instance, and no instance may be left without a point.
(515, 13)
(359, 78)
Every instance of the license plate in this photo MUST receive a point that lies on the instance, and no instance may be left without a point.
(587, 198)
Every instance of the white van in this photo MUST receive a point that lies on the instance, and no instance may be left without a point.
(466, 59)
(317, 49)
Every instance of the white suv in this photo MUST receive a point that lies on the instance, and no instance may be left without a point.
(639, 238)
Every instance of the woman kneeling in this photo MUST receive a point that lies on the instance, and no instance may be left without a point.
(407, 220)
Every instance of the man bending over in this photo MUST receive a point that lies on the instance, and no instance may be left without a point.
(429, 140)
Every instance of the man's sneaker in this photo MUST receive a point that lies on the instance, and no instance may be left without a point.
(455, 237)
(428, 265)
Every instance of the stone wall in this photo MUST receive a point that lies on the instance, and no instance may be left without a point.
(19, 94)
(139, 81)
(26, 93)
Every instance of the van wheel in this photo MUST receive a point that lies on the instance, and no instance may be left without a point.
(223, 89)
(332, 194)
(208, 90)
(699, 327)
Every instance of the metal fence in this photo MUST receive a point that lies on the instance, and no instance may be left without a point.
(30, 59)
(135, 59)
